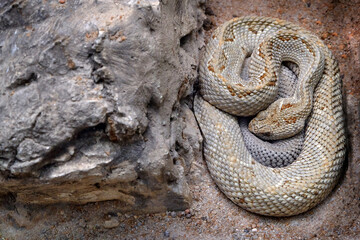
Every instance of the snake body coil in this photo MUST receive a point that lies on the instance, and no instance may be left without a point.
(302, 118)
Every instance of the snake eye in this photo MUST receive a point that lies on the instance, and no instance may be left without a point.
(265, 135)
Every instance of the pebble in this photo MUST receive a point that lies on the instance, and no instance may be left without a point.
(166, 233)
(112, 223)
(254, 230)
(324, 35)
(187, 211)
(173, 214)
(209, 11)
(208, 24)
(82, 223)
(188, 215)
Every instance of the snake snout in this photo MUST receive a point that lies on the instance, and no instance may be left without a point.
(252, 127)
(260, 130)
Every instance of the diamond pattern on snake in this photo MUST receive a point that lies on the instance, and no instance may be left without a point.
(270, 111)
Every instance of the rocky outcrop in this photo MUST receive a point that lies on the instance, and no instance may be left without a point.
(94, 101)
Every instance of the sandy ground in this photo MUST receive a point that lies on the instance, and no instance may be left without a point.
(212, 215)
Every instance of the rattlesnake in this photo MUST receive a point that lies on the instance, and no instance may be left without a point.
(305, 165)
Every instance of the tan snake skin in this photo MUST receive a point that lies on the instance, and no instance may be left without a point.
(317, 104)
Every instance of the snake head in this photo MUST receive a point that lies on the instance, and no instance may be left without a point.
(260, 125)
(277, 122)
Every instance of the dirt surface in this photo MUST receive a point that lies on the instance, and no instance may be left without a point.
(212, 215)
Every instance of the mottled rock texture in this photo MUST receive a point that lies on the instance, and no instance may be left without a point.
(94, 101)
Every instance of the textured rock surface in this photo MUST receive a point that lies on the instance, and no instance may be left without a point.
(93, 101)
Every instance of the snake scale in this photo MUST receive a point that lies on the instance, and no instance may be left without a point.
(284, 79)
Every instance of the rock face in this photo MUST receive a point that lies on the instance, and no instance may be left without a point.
(94, 101)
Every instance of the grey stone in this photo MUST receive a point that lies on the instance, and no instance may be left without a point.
(95, 101)
(28, 149)
(166, 233)
(112, 223)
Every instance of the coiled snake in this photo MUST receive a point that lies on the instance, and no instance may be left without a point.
(292, 156)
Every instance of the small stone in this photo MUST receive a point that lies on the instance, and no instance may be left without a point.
(254, 230)
(253, 226)
(82, 223)
(246, 230)
(208, 24)
(188, 215)
(112, 223)
(209, 11)
(62, 1)
(187, 211)
(173, 214)
(324, 35)
(123, 38)
(166, 233)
